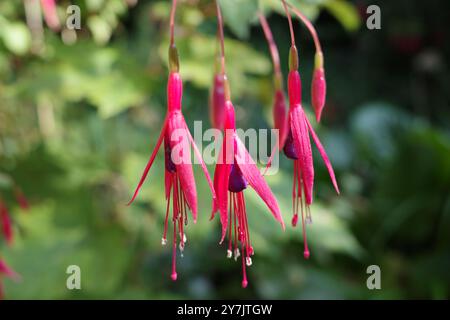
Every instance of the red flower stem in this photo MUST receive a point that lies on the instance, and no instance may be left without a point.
(309, 26)
(244, 273)
(273, 50)
(291, 28)
(221, 37)
(174, 252)
(172, 22)
(248, 245)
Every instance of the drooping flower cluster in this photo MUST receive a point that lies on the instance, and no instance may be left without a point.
(298, 144)
(235, 169)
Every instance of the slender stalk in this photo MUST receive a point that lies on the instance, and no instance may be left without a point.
(272, 45)
(291, 28)
(221, 37)
(172, 22)
(308, 25)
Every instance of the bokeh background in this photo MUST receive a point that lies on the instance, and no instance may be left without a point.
(81, 111)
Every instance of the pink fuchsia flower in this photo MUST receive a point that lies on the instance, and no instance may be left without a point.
(50, 14)
(236, 170)
(6, 271)
(217, 102)
(180, 186)
(298, 148)
(6, 223)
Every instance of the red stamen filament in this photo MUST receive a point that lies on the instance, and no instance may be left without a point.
(179, 218)
(298, 194)
(239, 226)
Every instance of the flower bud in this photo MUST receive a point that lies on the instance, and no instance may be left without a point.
(217, 102)
(318, 87)
(280, 117)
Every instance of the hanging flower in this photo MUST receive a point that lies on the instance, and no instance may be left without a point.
(298, 148)
(236, 170)
(180, 186)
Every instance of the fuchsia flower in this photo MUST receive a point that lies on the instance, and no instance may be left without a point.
(298, 148)
(236, 170)
(50, 14)
(6, 271)
(298, 143)
(180, 186)
(6, 223)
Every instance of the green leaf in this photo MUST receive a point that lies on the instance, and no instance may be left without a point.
(238, 14)
(345, 13)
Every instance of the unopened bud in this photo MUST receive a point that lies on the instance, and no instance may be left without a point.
(229, 254)
(318, 91)
(248, 261)
(163, 241)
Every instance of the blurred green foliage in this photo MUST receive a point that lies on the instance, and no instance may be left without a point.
(78, 120)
